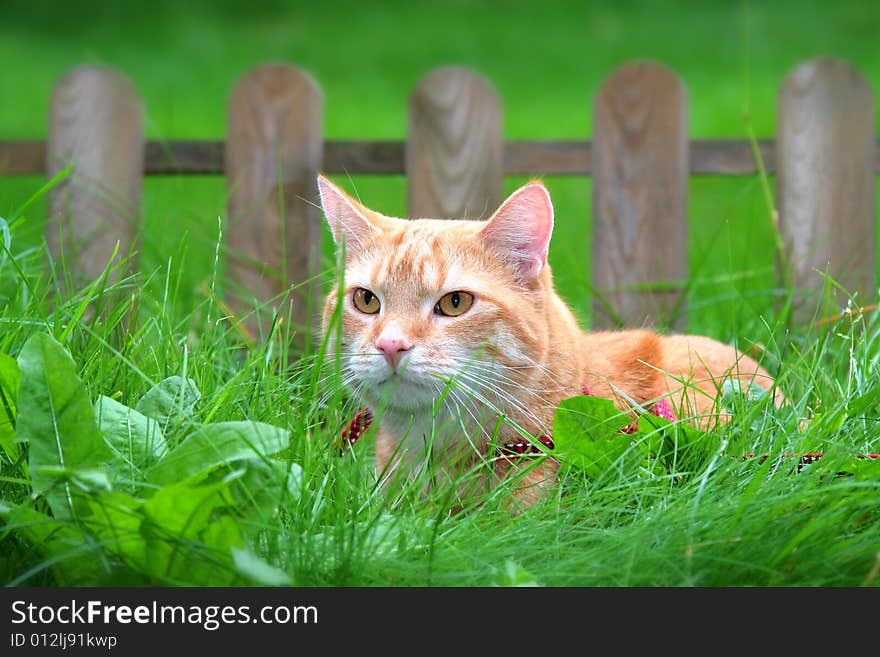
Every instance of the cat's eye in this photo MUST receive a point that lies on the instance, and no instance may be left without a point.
(454, 303)
(365, 301)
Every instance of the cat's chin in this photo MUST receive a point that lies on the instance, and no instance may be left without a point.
(400, 394)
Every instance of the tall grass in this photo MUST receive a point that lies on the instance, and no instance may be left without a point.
(712, 520)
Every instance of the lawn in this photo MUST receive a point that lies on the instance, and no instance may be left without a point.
(300, 514)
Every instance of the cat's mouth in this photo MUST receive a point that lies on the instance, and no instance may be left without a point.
(394, 379)
(400, 382)
(403, 391)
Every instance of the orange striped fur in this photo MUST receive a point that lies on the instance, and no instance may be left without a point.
(517, 351)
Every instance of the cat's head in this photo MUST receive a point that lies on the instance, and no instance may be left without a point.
(426, 299)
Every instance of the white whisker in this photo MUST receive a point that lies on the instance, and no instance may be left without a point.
(503, 395)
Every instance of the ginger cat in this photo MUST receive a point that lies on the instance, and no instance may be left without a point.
(448, 325)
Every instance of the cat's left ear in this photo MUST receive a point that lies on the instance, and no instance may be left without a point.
(520, 230)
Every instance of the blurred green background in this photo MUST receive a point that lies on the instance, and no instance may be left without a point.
(547, 61)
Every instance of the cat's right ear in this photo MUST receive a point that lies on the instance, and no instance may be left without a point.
(347, 218)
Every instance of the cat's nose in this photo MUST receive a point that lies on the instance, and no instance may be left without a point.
(394, 348)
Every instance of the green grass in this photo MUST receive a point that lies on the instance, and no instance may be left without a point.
(720, 521)
(702, 519)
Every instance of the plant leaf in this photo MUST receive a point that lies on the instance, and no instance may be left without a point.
(585, 430)
(170, 401)
(56, 419)
(134, 437)
(213, 445)
(514, 575)
(266, 486)
(258, 570)
(188, 536)
(736, 394)
(80, 480)
(64, 548)
(588, 416)
(115, 521)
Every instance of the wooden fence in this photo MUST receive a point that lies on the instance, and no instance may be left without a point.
(824, 160)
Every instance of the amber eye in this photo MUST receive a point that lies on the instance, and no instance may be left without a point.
(365, 301)
(454, 303)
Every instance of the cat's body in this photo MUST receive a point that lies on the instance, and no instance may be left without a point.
(447, 325)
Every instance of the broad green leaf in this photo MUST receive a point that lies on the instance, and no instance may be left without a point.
(385, 537)
(188, 536)
(81, 480)
(56, 419)
(586, 416)
(258, 570)
(735, 387)
(115, 522)
(267, 485)
(585, 430)
(63, 547)
(184, 508)
(599, 456)
(514, 575)
(213, 445)
(736, 394)
(134, 437)
(170, 401)
(10, 377)
(294, 478)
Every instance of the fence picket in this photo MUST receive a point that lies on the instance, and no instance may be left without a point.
(826, 157)
(454, 147)
(640, 192)
(826, 183)
(273, 155)
(96, 125)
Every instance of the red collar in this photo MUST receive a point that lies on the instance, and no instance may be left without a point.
(662, 408)
(362, 421)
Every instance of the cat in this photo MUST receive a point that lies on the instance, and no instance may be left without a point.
(448, 325)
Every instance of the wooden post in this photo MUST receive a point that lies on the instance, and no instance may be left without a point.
(454, 146)
(273, 156)
(826, 183)
(96, 125)
(640, 192)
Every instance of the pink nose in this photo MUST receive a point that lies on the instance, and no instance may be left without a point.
(394, 349)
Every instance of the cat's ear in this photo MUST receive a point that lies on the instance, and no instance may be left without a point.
(347, 218)
(520, 230)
